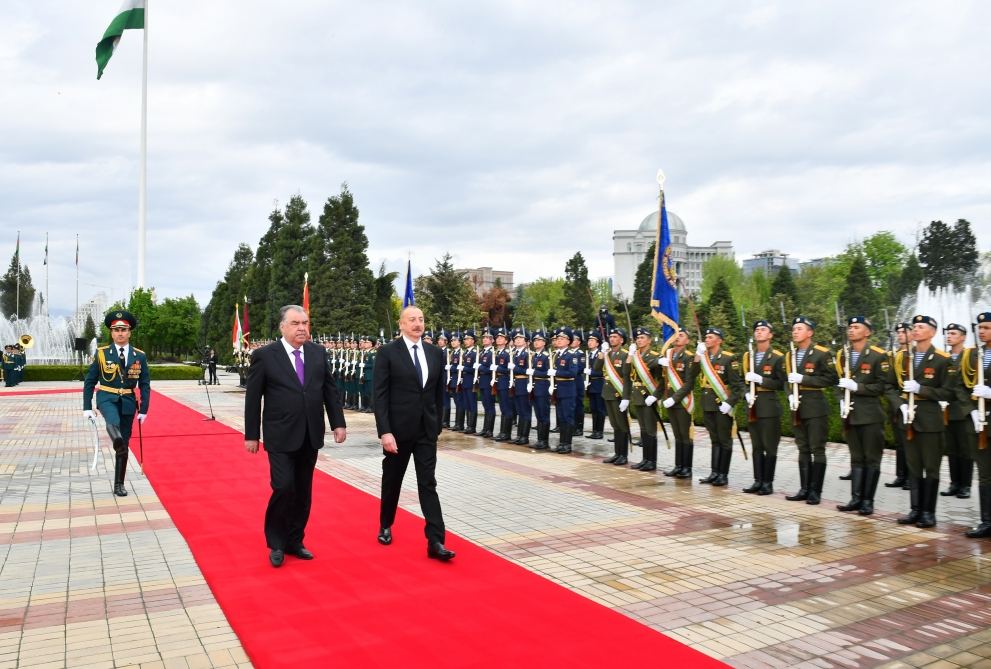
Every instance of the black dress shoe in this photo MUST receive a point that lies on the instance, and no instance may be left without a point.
(385, 535)
(437, 551)
(120, 490)
(277, 557)
(302, 553)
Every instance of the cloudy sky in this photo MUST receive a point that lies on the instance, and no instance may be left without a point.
(510, 134)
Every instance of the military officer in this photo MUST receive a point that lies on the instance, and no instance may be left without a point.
(115, 373)
(643, 386)
(811, 368)
(921, 378)
(577, 340)
(486, 389)
(503, 367)
(959, 442)
(864, 376)
(564, 369)
(765, 371)
(596, 383)
(522, 375)
(540, 364)
(454, 382)
(976, 363)
(443, 346)
(902, 331)
(680, 372)
(722, 388)
(470, 366)
(616, 368)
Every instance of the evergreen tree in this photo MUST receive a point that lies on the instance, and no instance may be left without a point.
(784, 284)
(255, 286)
(578, 291)
(642, 283)
(218, 316)
(292, 255)
(859, 296)
(936, 254)
(966, 256)
(721, 312)
(911, 276)
(385, 301)
(342, 286)
(89, 329)
(9, 304)
(447, 298)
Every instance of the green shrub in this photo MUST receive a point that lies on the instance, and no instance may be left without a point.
(71, 373)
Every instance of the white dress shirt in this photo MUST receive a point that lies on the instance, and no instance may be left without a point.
(420, 354)
(289, 351)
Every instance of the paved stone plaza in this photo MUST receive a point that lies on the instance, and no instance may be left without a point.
(90, 580)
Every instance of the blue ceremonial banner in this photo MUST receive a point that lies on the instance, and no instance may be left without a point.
(408, 296)
(664, 292)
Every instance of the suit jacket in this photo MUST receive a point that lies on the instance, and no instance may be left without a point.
(402, 406)
(291, 410)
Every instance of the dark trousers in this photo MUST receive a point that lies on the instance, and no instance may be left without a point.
(866, 443)
(810, 438)
(681, 423)
(923, 453)
(521, 404)
(618, 419)
(765, 435)
(647, 418)
(213, 373)
(424, 452)
(720, 428)
(485, 394)
(983, 459)
(292, 491)
(542, 406)
(505, 403)
(596, 405)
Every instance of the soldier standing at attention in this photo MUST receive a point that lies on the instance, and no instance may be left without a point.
(368, 374)
(902, 331)
(596, 382)
(643, 387)
(959, 444)
(521, 381)
(442, 345)
(680, 371)
(864, 421)
(469, 361)
(812, 369)
(485, 358)
(116, 371)
(616, 368)
(764, 414)
(541, 365)
(576, 350)
(722, 388)
(921, 378)
(454, 383)
(502, 366)
(976, 363)
(564, 370)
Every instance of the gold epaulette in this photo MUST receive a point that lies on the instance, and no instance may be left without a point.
(725, 352)
(820, 347)
(103, 348)
(137, 350)
(776, 351)
(878, 349)
(941, 353)
(651, 352)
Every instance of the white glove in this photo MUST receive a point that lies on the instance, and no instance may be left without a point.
(982, 390)
(910, 386)
(700, 349)
(529, 371)
(749, 398)
(848, 384)
(447, 368)
(904, 410)
(476, 365)
(650, 400)
(795, 377)
(975, 416)
(605, 347)
(668, 403)
(664, 361)
(493, 367)
(461, 368)
(632, 349)
(624, 405)
(551, 373)
(753, 377)
(512, 366)
(792, 403)
(842, 407)
(725, 408)
(88, 413)
(588, 371)
(943, 405)
(142, 417)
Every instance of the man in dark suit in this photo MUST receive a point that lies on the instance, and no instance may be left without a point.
(292, 375)
(409, 404)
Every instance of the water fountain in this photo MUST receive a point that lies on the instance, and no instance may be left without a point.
(947, 306)
(53, 337)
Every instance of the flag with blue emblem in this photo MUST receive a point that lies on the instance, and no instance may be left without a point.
(664, 292)
(408, 300)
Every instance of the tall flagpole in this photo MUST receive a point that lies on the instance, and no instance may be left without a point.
(143, 188)
(17, 297)
(81, 325)
(47, 295)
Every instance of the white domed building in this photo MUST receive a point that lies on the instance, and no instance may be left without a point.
(630, 247)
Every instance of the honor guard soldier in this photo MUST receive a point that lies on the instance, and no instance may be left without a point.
(959, 443)
(454, 382)
(616, 368)
(722, 388)
(367, 373)
(118, 370)
(522, 376)
(486, 388)
(442, 345)
(427, 337)
(863, 377)
(576, 350)
(503, 370)
(975, 386)
(540, 364)
(643, 387)
(8, 365)
(680, 372)
(921, 378)
(902, 334)
(764, 371)
(810, 369)
(564, 369)
(596, 382)
(18, 360)
(470, 366)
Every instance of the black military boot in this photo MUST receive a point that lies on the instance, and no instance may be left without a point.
(767, 480)
(649, 453)
(485, 426)
(523, 433)
(803, 477)
(871, 477)
(459, 420)
(965, 472)
(928, 503)
(725, 456)
(115, 436)
(758, 462)
(564, 446)
(615, 455)
(817, 474)
(983, 530)
(901, 478)
(541, 444)
(622, 446)
(120, 467)
(598, 422)
(856, 491)
(579, 422)
(954, 467)
(678, 455)
(471, 422)
(687, 455)
(915, 490)
(505, 427)
(447, 416)
(713, 465)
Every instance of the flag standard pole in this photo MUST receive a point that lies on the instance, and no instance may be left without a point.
(143, 158)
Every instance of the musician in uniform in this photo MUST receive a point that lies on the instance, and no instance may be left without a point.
(9, 353)
(680, 372)
(974, 367)
(902, 331)
(576, 349)
(596, 382)
(116, 372)
(812, 369)
(616, 368)
(470, 366)
(920, 379)
(866, 382)
(485, 385)
(765, 369)
(563, 372)
(959, 442)
(643, 386)
(540, 365)
(503, 370)
(522, 373)
(722, 388)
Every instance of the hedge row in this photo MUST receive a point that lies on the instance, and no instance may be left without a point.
(71, 373)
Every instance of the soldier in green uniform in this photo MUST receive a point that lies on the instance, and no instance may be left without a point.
(976, 363)
(722, 387)
(764, 368)
(902, 331)
(616, 368)
(643, 386)
(8, 365)
(865, 377)
(812, 369)
(920, 379)
(116, 372)
(367, 373)
(959, 442)
(680, 372)
(20, 362)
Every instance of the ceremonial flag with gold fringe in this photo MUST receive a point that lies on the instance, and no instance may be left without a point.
(664, 291)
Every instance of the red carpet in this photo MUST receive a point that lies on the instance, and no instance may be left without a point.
(53, 391)
(359, 604)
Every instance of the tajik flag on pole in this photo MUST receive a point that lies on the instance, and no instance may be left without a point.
(236, 332)
(131, 16)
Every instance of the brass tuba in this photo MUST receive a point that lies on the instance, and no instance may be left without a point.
(26, 341)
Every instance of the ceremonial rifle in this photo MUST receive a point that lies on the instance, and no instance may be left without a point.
(982, 434)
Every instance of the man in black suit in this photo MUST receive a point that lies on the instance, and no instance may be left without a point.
(409, 403)
(291, 374)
